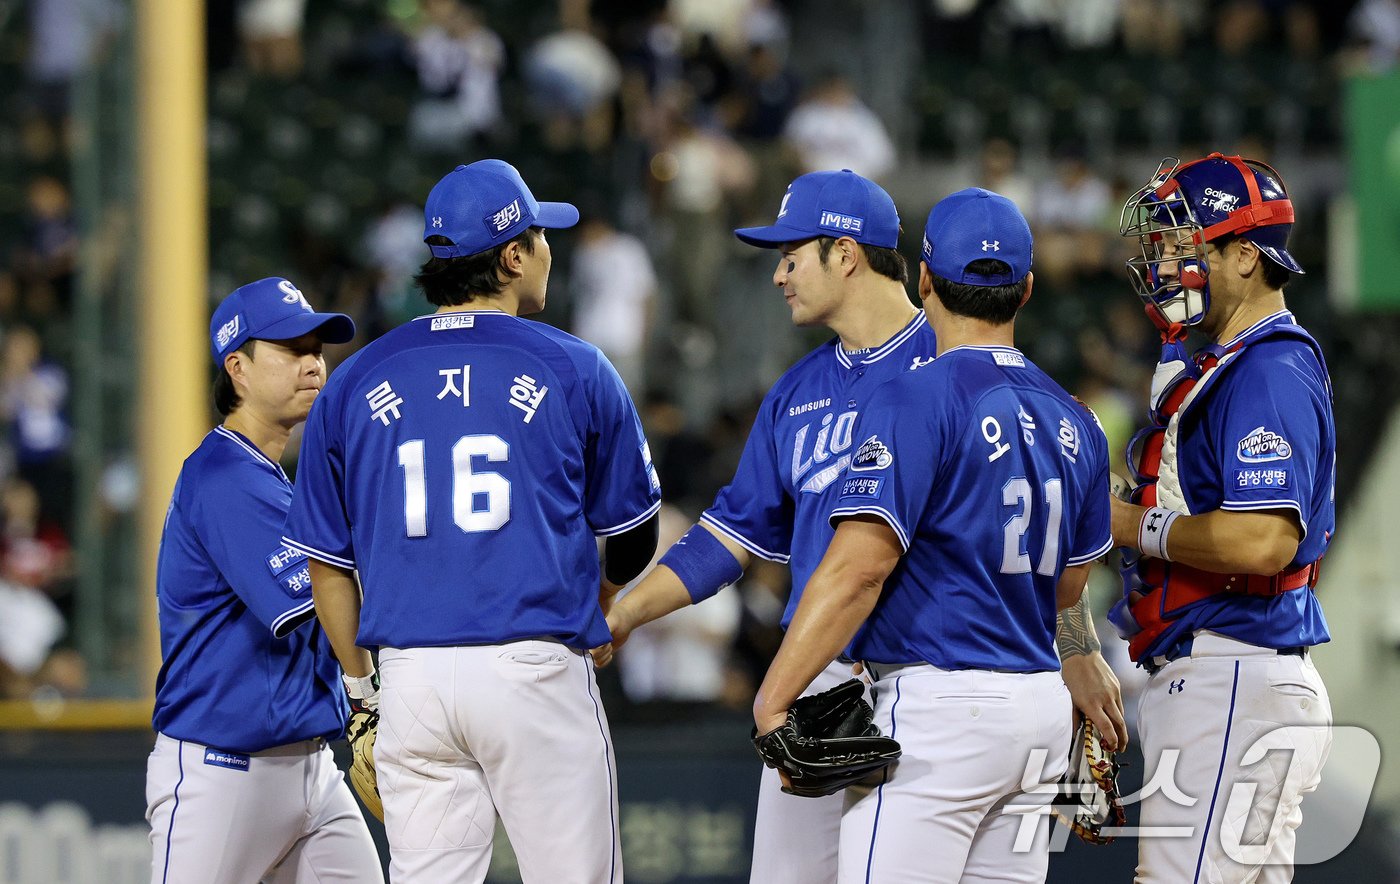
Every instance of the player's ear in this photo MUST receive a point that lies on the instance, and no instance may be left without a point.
(235, 363)
(1247, 258)
(1030, 283)
(849, 251)
(925, 282)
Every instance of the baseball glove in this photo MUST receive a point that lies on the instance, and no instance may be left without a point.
(364, 726)
(828, 742)
(1088, 800)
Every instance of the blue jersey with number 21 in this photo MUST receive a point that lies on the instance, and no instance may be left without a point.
(464, 463)
(995, 480)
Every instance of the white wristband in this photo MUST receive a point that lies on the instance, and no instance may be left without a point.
(1153, 530)
(362, 688)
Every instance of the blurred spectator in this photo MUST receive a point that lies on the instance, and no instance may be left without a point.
(271, 34)
(696, 170)
(833, 129)
(30, 626)
(613, 285)
(1069, 217)
(681, 455)
(50, 251)
(1374, 37)
(684, 656)
(572, 78)
(65, 37)
(459, 63)
(33, 397)
(393, 249)
(999, 174)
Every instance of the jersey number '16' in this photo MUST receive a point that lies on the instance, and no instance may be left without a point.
(480, 498)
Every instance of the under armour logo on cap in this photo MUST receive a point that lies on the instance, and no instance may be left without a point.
(437, 221)
(991, 246)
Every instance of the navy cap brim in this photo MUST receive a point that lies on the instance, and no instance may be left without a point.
(556, 216)
(1281, 258)
(332, 328)
(772, 236)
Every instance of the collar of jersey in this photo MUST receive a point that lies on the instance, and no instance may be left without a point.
(247, 445)
(981, 348)
(886, 348)
(486, 311)
(1258, 326)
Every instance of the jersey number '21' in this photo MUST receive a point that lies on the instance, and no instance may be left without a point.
(480, 498)
(1015, 559)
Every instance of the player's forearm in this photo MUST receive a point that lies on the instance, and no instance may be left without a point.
(658, 594)
(1075, 634)
(835, 602)
(1221, 541)
(337, 599)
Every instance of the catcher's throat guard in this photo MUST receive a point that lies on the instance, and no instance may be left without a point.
(828, 742)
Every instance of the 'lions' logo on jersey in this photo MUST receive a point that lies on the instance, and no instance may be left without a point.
(872, 455)
(1261, 446)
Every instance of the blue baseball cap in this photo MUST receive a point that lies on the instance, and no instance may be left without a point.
(271, 309)
(973, 224)
(480, 206)
(830, 204)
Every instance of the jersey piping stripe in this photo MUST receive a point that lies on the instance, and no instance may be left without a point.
(883, 513)
(1089, 557)
(630, 523)
(317, 554)
(1219, 773)
(742, 540)
(257, 454)
(886, 348)
(1242, 506)
(288, 622)
(1260, 324)
(880, 792)
(170, 831)
(607, 757)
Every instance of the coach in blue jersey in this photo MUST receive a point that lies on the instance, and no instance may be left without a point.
(241, 785)
(1233, 513)
(974, 502)
(464, 464)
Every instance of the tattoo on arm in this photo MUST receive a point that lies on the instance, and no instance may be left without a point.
(1075, 633)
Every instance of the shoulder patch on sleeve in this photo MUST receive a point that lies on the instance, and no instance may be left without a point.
(1261, 445)
(289, 568)
(872, 455)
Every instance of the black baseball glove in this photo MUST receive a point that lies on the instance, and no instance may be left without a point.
(828, 742)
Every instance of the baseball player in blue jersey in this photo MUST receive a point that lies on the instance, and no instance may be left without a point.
(463, 464)
(974, 502)
(241, 786)
(838, 267)
(1231, 515)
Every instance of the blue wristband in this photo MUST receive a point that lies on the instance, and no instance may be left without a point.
(702, 563)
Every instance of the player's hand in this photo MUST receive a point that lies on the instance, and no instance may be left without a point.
(602, 655)
(620, 624)
(1095, 691)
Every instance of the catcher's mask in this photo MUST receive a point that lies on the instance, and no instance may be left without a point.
(1183, 207)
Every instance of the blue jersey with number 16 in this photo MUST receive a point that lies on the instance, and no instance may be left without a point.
(464, 463)
(995, 480)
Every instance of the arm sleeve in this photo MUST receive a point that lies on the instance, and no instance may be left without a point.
(891, 475)
(1269, 430)
(240, 529)
(623, 490)
(755, 509)
(318, 524)
(627, 554)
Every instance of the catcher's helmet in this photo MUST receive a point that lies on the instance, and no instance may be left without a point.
(1185, 206)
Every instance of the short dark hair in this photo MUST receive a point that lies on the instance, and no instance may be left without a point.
(448, 282)
(996, 304)
(226, 398)
(886, 262)
(1276, 276)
